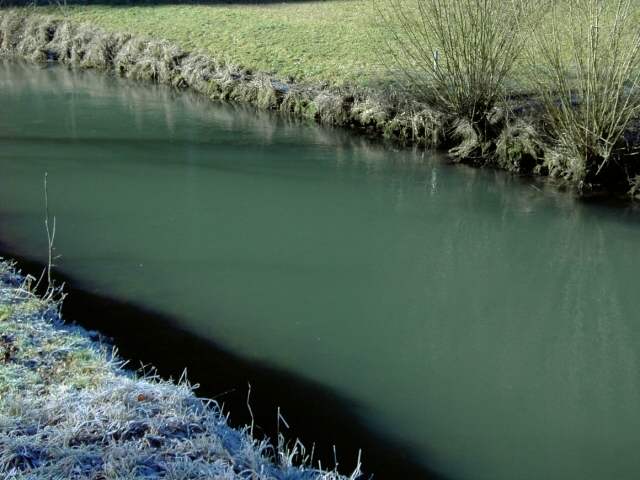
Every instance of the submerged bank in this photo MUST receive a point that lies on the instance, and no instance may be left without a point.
(519, 144)
(69, 410)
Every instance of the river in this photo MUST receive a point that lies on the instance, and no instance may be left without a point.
(478, 325)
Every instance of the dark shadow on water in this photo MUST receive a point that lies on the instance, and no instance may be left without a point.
(315, 415)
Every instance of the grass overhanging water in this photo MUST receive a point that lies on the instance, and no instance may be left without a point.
(471, 90)
(589, 89)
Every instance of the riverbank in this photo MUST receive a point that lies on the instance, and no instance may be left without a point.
(29, 34)
(520, 145)
(69, 410)
(378, 112)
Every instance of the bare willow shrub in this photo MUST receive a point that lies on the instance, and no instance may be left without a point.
(587, 68)
(455, 55)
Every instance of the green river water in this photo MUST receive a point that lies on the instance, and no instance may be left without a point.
(488, 326)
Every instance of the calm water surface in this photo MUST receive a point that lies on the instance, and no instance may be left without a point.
(488, 327)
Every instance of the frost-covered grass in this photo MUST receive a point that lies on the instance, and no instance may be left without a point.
(69, 411)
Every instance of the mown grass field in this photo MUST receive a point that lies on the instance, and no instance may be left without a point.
(335, 41)
(332, 41)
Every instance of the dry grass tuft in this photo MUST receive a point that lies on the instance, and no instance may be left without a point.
(370, 112)
(518, 148)
(143, 59)
(332, 108)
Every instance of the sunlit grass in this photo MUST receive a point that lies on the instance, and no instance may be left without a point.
(339, 41)
(315, 41)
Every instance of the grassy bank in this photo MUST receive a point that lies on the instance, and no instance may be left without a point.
(305, 41)
(341, 42)
(321, 61)
(68, 410)
(28, 34)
